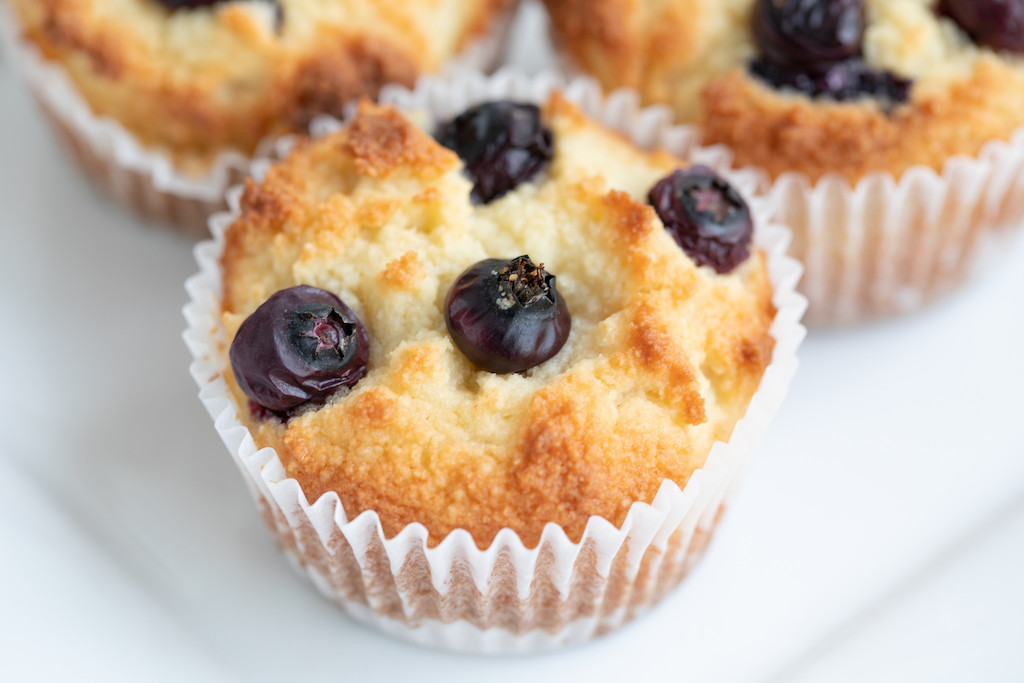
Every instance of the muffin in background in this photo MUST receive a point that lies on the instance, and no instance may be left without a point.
(431, 492)
(163, 101)
(887, 131)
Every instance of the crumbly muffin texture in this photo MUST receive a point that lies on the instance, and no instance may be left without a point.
(192, 83)
(661, 362)
(692, 54)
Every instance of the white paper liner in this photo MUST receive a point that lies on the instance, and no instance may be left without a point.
(507, 598)
(886, 247)
(144, 179)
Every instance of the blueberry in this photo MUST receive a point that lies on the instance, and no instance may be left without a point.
(300, 345)
(843, 81)
(193, 4)
(507, 316)
(999, 24)
(502, 144)
(706, 216)
(814, 47)
(809, 34)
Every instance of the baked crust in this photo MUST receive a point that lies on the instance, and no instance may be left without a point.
(195, 83)
(781, 132)
(691, 55)
(665, 50)
(662, 360)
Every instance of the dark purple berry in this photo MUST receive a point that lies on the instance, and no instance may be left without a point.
(842, 82)
(300, 345)
(193, 4)
(809, 34)
(507, 316)
(814, 47)
(502, 144)
(998, 24)
(706, 215)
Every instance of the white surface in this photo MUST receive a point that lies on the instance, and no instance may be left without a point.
(878, 534)
(955, 622)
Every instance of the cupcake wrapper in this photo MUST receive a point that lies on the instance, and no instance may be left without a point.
(885, 247)
(141, 179)
(507, 598)
(110, 156)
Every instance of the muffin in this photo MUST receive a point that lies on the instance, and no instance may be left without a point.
(161, 100)
(886, 130)
(527, 365)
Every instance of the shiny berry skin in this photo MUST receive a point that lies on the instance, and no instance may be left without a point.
(706, 216)
(841, 82)
(300, 345)
(809, 34)
(502, 144)
(998, 24)
(507, 316)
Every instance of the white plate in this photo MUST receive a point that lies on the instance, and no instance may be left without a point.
(898, 442)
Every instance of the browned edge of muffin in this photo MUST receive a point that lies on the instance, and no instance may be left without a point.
(781, 132)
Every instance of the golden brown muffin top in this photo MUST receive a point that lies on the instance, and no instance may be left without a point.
(692, 54)
(662, 360)
(195, 82)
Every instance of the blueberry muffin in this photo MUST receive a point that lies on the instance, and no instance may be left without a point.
(816, 86)
(190, 80)
(524, 321)
(472, 369)
(887, 131)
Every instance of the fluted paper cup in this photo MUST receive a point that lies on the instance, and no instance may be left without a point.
(888, 246)
(507, 597)
(142, 179)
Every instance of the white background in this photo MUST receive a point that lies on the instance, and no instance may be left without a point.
(878, 536)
